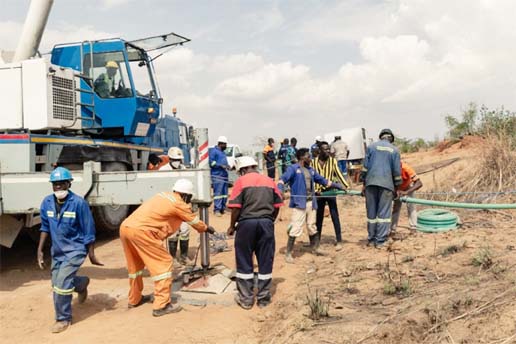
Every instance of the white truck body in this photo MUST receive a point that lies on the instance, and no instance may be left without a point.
(355, 138)
(38, 95)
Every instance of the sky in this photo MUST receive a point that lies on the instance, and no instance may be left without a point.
(305, 68)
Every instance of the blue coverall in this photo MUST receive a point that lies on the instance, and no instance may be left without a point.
(382, 174)
(219, 178)
(71, 230)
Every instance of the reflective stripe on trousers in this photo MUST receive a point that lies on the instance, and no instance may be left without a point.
(378, 206)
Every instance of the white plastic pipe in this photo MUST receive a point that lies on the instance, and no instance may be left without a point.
(33, 28)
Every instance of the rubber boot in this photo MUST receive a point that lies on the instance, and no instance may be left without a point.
(315, 242)
(172, 249)
(183, 246)
(290, 247)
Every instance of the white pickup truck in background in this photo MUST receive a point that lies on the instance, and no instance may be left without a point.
(232, 152)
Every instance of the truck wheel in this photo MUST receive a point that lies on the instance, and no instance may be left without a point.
(109, 217)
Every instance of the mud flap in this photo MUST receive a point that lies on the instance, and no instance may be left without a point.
(9, 229)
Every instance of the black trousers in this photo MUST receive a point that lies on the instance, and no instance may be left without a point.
(334, 213)
(271, 170)
(254, 236)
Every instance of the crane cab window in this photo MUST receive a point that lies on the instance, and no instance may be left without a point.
(109, 74)
(142, 73)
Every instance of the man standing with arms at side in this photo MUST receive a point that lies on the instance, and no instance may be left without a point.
(381, 175)
(254, 202)
(302, 179)
(219, 175)
(340, 151)
(327, 167)
(410, 183)
(67, 218)
(270, 158)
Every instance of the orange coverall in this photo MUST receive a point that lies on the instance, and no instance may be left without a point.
(142, 235)
(164, 160)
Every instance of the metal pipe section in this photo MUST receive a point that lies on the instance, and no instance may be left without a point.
(205, 240)
(33, 28)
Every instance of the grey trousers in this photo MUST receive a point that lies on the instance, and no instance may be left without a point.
(396, 210)
(378, 206)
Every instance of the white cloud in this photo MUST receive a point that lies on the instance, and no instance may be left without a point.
(10, 32)
(109, 4)
(418, 60)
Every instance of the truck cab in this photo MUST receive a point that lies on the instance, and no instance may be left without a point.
(119, 95)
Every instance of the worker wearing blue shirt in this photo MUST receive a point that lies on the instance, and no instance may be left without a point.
(314, 148)
(302, 178)
(381, 175)
(67, 218)
(219, 175)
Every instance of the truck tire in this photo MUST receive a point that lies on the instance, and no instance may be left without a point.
(109, 218)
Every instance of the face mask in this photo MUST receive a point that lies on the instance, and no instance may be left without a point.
(175, 164)
(61, 194)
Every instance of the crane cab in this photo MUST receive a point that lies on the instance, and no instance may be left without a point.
(119, 94)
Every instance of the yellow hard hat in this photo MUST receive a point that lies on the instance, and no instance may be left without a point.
(111, 64)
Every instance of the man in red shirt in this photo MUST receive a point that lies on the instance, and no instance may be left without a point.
(410, 183)
(254, 202)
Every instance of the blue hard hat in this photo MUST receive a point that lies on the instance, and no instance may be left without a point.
(60, 174)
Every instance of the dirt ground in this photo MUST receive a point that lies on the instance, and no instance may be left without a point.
(455, 287)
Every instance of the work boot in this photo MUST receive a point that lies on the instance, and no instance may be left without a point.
(183, 246)
(218, 214)
(145, 299)
(242, 304)
(290, 247)
(60, 326)
(170, 308)
(83, 295)
(338, 246)
(315, 241)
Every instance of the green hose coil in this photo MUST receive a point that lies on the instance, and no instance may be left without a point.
(436, 221)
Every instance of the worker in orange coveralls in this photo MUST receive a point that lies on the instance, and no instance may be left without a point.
(142, 235)
(157, 161)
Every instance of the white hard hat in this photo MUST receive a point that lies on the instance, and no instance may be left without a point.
(222, 139)
(318, 138)
(175, 153)
(183, 186)
(245, 161)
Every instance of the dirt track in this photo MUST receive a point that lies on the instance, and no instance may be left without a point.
(442, 286)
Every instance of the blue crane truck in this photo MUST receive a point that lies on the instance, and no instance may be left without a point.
(60, 113)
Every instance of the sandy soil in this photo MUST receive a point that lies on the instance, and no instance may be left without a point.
(439, 295)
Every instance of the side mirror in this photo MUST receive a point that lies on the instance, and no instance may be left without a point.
(160, 100)
(238, 155)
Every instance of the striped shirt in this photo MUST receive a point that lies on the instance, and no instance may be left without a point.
(330, 171)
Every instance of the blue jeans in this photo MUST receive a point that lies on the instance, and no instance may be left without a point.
(343, 166)
(378, 206)
(64, 283)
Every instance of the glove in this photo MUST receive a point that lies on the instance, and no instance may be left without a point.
(211, 230)
(281, 187)
(337, 186)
